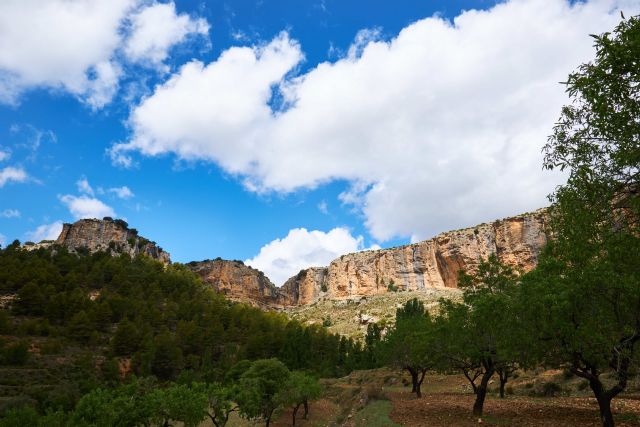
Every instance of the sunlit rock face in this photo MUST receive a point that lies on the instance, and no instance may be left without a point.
(306, 286)
(109, 235)
(239, 282)
(434, 263)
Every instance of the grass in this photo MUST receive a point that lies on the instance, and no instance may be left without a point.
(375, 414)
(496, 421)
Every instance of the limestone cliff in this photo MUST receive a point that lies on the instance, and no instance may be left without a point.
(433, 263)
(305, 287)
(239, 282)
(108, 235)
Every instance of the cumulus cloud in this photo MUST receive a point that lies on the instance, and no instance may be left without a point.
(3, 239)
(122, 192)
(45, 232)
(283, 258)
(75, 46)
(86, 206)
(156, 29)
(437, 128)
(10, 213)
(4, 154)
(14, 174)
(84, 186)
(216, 127)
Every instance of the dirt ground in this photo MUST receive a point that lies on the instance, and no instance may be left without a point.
(353, 402)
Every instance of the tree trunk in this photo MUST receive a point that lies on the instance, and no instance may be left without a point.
(306, 409)
(419, 382)
(213, 420)
(604, 402)
(295, 411)
(481, 391)
(414, 380)
(504, 377)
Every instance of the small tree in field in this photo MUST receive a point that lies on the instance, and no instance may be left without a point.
(261, 388)
(409, 344)
(299, 390)
(220, 405)
(481, 335)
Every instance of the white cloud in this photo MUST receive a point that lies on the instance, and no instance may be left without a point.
(86, 207)
(156, 29)
(10, 213)
(3, 239)
(217, 126)
(14, 174)
(283, 258)
(84, 186)
(45, 232)
(438, 128)
(4, 154)
(76, 46)
(322, 207)
(122, 192)
(60, 44)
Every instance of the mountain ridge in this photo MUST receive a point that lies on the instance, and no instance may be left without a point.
(429, 264)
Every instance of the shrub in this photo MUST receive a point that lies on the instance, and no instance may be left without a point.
(16, 353)
(567, 375)
(551, 389)
(373, 392)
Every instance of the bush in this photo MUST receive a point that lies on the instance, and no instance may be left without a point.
(551, 389)
(392, 287)
(373, 392)
(16, 353)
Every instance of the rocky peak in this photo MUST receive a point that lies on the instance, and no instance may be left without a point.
(239, 282)
(110, 235)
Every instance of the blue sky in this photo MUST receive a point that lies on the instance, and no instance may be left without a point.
(224, 128)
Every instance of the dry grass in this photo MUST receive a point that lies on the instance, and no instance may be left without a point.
(350, 317)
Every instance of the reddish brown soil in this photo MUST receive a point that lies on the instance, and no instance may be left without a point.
(454, 409)
(447, 401)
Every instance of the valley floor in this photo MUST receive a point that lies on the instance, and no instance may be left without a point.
(379, 398)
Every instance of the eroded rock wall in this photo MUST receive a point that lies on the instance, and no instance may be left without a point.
(108, 235)
(433, 263)
(239, 282)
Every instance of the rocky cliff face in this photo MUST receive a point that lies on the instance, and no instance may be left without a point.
(108, 235)
(305, 287)
(239, 282)
(434, 263)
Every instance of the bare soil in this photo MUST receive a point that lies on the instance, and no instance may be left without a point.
(447, 401)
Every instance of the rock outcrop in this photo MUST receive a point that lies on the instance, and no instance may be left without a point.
(517, 241)
(109, 235)
(305, 287)
(239, 282)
